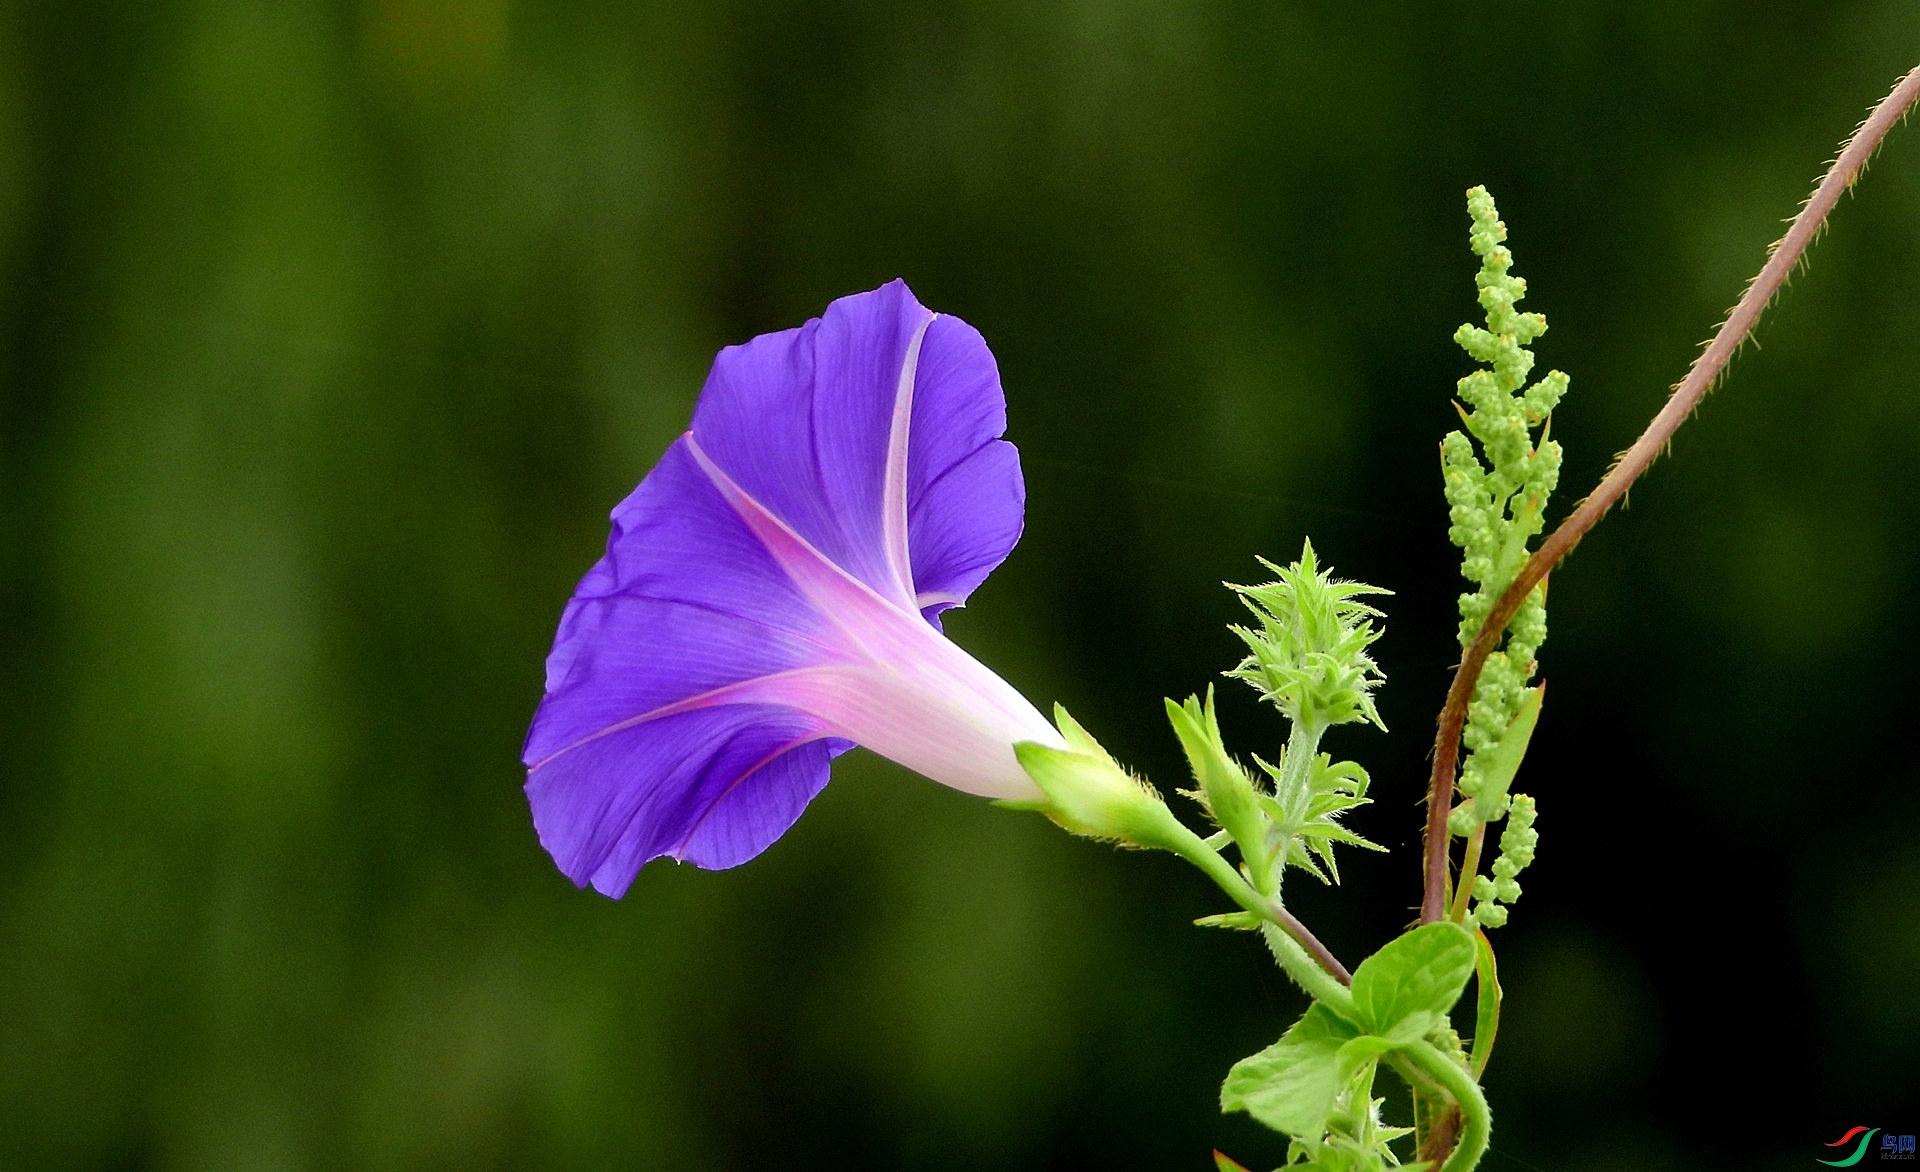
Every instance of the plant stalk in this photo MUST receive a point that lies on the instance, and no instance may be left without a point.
(1309, 962)
(1687, 394)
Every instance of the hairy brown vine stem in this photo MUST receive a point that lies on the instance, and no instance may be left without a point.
(1687, 394)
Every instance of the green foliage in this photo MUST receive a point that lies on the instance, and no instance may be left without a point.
(1306, 807)
(1291, 1085)
(1315, 1083)
(1310, 658)
(1416, 977)
(1225, 789)
(1309, 655)
(1486, 1016)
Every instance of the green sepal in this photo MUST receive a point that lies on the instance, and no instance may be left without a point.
(1086, 792)
(1423, 971)
(1078, 738)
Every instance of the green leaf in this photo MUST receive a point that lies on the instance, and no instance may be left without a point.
(1225, 789)
(1424, 971)
(1487, 1019)
(1500, 762)
(1291, 1085)
(1226, 1163)
(1412, 1028)
(1235, 921)
(1365, 1048)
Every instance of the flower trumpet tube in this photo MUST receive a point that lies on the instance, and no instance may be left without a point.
(771, 596)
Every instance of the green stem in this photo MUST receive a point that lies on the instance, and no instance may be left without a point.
(1469, 871)
(1307, 971)
(1292, 789)
(1310, 963)
(1296, 769)
(1476, 1121)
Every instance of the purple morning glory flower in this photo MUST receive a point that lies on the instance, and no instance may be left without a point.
(770, 596)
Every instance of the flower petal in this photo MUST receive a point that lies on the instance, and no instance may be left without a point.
(863, 425)
(804, 420)
(686, 600)
(964, 526)
(656, 736)
(714, 785)
(965, 496)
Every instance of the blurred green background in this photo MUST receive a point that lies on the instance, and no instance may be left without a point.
(331, 332)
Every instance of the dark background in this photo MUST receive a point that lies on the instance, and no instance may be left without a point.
(329, 334)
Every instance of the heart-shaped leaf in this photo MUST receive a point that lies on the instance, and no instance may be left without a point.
(1291, 1085)
(1424, 971)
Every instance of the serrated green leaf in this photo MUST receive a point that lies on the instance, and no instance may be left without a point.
(1318, 845)
(1298, 856)
(1309, 655)
(1339, 800)
(1423, 971)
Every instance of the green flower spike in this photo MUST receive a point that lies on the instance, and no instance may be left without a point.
(1491, 896)
(1309, 655)
(1497, 498)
